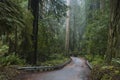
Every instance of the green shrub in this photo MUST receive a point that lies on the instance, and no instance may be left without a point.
(105, 73)
(95, 60)
(11, 60)
(117, 60)
(3, 50)
(55, 59)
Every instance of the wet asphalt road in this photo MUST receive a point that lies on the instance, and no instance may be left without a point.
(76, 70)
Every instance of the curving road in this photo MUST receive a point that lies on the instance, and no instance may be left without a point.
(76, 70)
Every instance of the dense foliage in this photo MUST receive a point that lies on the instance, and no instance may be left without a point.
(33, 33)
(16, 29)
(96, 33)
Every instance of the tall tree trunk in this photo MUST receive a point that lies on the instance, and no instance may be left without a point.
(16, 40)
(113, 49)
(67, 29)
(35, 11)
(74, 31)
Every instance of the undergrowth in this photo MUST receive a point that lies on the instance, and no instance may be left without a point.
(54, 60)
(11, 59)
(109, 72)
(102, 71)
(8, 73)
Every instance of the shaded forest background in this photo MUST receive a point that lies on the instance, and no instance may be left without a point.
(36, 32)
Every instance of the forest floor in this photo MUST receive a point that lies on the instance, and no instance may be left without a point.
(76, 70)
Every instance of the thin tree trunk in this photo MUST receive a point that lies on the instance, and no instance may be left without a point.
(74, 31)
(16, 40)
(102, 5)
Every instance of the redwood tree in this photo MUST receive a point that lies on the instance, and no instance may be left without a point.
(113, 49)
(34, 6)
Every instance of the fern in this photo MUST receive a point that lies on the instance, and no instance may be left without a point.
(117, 60)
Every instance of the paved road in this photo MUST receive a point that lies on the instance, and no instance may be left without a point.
(76, 70)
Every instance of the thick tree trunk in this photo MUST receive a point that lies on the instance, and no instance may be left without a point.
(35, 11)
(113, 49)
(67, 29)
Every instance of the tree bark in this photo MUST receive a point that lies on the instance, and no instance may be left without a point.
(29, 4)
(67, 29)
(16, 40)
(113, 49)
(35, 12)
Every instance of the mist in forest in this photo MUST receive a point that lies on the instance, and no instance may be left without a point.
(76, 18)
